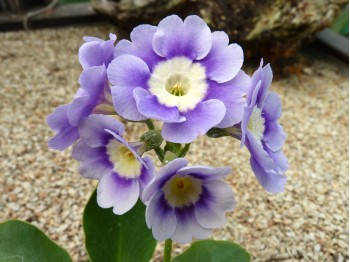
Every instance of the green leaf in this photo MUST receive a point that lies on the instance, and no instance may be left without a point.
(20, 241)
(213, 251)
(114, 238)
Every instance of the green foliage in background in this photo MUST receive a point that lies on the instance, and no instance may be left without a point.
(112, 238)
(20, 241)
(341, 23)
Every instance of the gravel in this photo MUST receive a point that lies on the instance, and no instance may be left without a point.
(308, 222)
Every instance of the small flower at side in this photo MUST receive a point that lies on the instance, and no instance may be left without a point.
(178, 72)
(187, 202)
(262, 134)
(118, 165)
(93, 96)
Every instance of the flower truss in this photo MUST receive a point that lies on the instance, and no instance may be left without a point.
(189, 79)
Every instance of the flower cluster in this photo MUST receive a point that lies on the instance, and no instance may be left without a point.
(189, 79)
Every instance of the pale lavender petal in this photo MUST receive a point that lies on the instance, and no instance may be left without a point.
(160, 217)
(223, 61)
(232, 95)
(258, 152)
(217, 198)
(117, 192)
(162, 176)
(198, 121)
(274, 136)
(79, 108)
(272, 107)
(94, 161)
(205, 173)
(140, 45)
(58, 119)
(125, 104)
(66, 134)
(187, 227)
(271, 181)
(93, 80)
(147, 173)
(281, 161)
(128, 71)
(64, 138)
(149, 106)
(247, 112)
(126, 144)
(191, 38)
(96, 51)
(92, 129)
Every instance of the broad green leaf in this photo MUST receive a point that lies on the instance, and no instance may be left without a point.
(213, 251)
(20, 241)
(113, 238)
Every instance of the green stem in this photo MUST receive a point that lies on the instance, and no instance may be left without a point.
(184, 150)
(149, 124)
(167, 250)
(160, 153)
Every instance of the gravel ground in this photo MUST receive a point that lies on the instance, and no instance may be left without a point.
(308, 222)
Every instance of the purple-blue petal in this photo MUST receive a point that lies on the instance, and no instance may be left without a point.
(149, 106)
(66, 135)
(271, 181)
(92, 129)
(232, 95)
(160, 217)
(191, 38)
(198, 121)
(140, 45)
(216, 199)
(272, 107)
(187, 226)
(274, 136)
(223, 61)
(94, 161)
(162, 176)
(205, 173)
(96, 52)
(117, 192)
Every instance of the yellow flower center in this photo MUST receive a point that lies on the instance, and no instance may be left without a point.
(182, 191)
(177, 90)
(125, 163)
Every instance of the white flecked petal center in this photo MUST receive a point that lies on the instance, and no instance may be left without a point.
(178, 82)
(125, 163)
(256, 124)
(181, 191)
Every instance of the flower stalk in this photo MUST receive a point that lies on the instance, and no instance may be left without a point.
(167, 250)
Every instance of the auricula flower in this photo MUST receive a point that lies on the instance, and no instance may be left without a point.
(187, 202)
(106, 156)
(93, 96)
(180, 73)
(262, 134)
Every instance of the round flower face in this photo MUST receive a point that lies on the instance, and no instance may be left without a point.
(187, 202)
(179, 83)
(180, 73)
(182, 191)
(262, 134)
(125, 162)
(106, 156)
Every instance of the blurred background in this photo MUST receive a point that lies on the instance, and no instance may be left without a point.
(306, 43)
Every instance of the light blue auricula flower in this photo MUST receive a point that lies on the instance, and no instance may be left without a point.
(181, 73)
(117, 164)
(93, 96)
(187, 202)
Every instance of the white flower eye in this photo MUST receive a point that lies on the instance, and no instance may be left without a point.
(178, 82)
